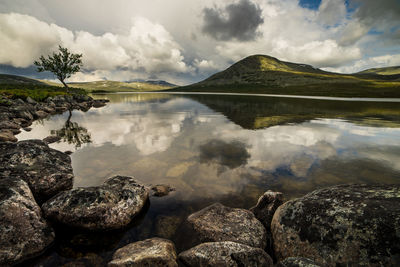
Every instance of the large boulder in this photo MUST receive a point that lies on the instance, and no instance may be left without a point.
(23, 231)
(220, 223)
(345, 224)
(225, 254)
(266, 207)
(109, 206)
(47, 171)
(150, 252)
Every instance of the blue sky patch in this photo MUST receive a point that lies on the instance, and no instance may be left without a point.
(310, 4)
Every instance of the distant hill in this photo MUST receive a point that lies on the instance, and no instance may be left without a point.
(115, 86)
(382, 71)
(269, 75)
(14, 79)
(97, 86)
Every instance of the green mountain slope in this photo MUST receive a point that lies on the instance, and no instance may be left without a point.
(115, 86)
(265, 74)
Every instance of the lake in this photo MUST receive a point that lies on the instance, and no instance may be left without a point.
(217, 148)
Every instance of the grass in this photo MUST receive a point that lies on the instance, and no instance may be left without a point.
(115, 86)
(37, 92)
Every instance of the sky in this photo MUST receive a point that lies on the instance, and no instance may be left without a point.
(185, 41)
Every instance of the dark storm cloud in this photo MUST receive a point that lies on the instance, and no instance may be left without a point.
(384, 13)
(231, 155)
(237, 21)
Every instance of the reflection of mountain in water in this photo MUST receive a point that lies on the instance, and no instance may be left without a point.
(255, 112)
(73, 133)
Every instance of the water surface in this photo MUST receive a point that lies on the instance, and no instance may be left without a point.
(217, 148)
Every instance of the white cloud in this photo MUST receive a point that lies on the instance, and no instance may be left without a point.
(148, 47)
(373, 62)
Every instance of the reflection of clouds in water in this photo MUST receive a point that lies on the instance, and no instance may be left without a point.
(230, 154)
(281, 145)
(151, 127)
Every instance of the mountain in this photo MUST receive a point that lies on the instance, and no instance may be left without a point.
(269, 75)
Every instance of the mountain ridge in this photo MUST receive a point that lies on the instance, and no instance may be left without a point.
(269, 75)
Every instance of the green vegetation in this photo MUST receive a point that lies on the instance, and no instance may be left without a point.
(267, 75)
(62, 64)
(114, 86)
(20, 87)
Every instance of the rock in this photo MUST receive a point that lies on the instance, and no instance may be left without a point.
(7, 136)
(149, 252)
(8, 125)
(40, 114)
(266, 207)
(345, 224)
(68, 152)
(161, 190)
(110, 206)
(166, 226)
(49, 109)
(23, 232)
(219, 223)
(51, 139)
(297, 262)
(31, 101)
(27, 129)
(47, 171)
(225, 254)
(98, 103)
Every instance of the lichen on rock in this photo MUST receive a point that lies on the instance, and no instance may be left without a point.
(345, 224)
(23, 232)
(109, 206)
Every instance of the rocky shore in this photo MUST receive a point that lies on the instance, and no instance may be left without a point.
(345, 225)
(17, 113)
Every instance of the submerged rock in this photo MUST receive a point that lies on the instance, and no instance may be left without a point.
(345, 224)
(161, 190)
(110, 206)
(47, 171)
(150, 252)
(297, 262)
(51, 139)
(225, 254)
(266, 207)
(23, 231)
(219, 223)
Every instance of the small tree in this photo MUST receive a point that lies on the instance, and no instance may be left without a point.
(62, 64)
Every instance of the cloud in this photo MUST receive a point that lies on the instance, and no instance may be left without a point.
(147, 47)
(332, 12)
(230, 154)
(236, 21)
(372, 62)
(378, 13)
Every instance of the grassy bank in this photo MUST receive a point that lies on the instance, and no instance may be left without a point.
(37, 92)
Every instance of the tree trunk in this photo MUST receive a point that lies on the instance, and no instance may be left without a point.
(65, 85)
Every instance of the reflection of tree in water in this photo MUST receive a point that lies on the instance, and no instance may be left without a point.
(72, 133)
